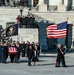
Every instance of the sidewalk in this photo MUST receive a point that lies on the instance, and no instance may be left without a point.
(46, 66)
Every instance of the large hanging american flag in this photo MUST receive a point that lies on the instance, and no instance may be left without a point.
(57, 30)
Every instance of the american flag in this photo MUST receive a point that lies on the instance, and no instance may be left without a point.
(57, 30)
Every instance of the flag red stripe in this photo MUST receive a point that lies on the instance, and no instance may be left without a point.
(55, 36)
(53, 32)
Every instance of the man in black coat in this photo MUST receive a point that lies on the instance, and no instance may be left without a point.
(30, 54)
(60, 56)
(1, 52)
(5, 52)
(27, 46)
(17, 56)
(23, 48)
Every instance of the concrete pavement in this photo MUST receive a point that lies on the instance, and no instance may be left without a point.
(46, 66)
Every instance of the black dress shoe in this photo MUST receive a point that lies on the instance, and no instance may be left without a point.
(29, 65)
(57, 66)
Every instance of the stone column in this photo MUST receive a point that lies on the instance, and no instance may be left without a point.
(41, 6)
(61, 7)
(72, 4)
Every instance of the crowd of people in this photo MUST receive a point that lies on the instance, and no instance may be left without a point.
(30, 50)
(26, 22)
(14, 50)
(13, 3)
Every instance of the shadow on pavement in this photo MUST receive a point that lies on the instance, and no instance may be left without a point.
(23, 61)
(48, 56)
(70, 65)
(46, 64)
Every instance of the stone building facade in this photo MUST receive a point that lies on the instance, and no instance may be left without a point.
(45, 13)
(48, 2)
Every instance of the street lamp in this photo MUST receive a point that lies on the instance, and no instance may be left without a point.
(21, 9)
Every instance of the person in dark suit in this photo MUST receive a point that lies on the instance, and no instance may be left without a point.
(17, 56)
(3, 2)
(23, 48)
(1, 52)
(38, 47)
(8, 2)
(5, 52)
(27, 47)
(36, 53)
(60, 56)
(30, 54)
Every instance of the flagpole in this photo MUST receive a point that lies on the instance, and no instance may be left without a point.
(66, 38)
